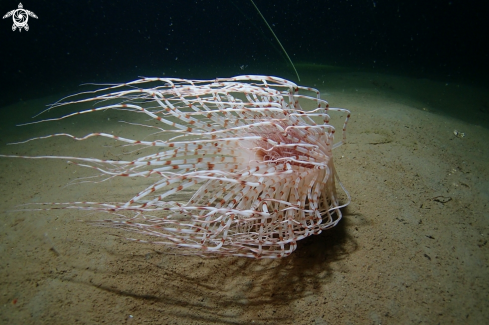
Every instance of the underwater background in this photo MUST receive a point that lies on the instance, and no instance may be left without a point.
(412, 246)
(113, 41)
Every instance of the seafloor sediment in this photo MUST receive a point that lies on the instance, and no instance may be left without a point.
(412, 246)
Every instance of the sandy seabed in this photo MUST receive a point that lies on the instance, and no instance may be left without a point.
(412, 247)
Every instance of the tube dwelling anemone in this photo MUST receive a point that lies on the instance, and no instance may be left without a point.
(258, 166)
